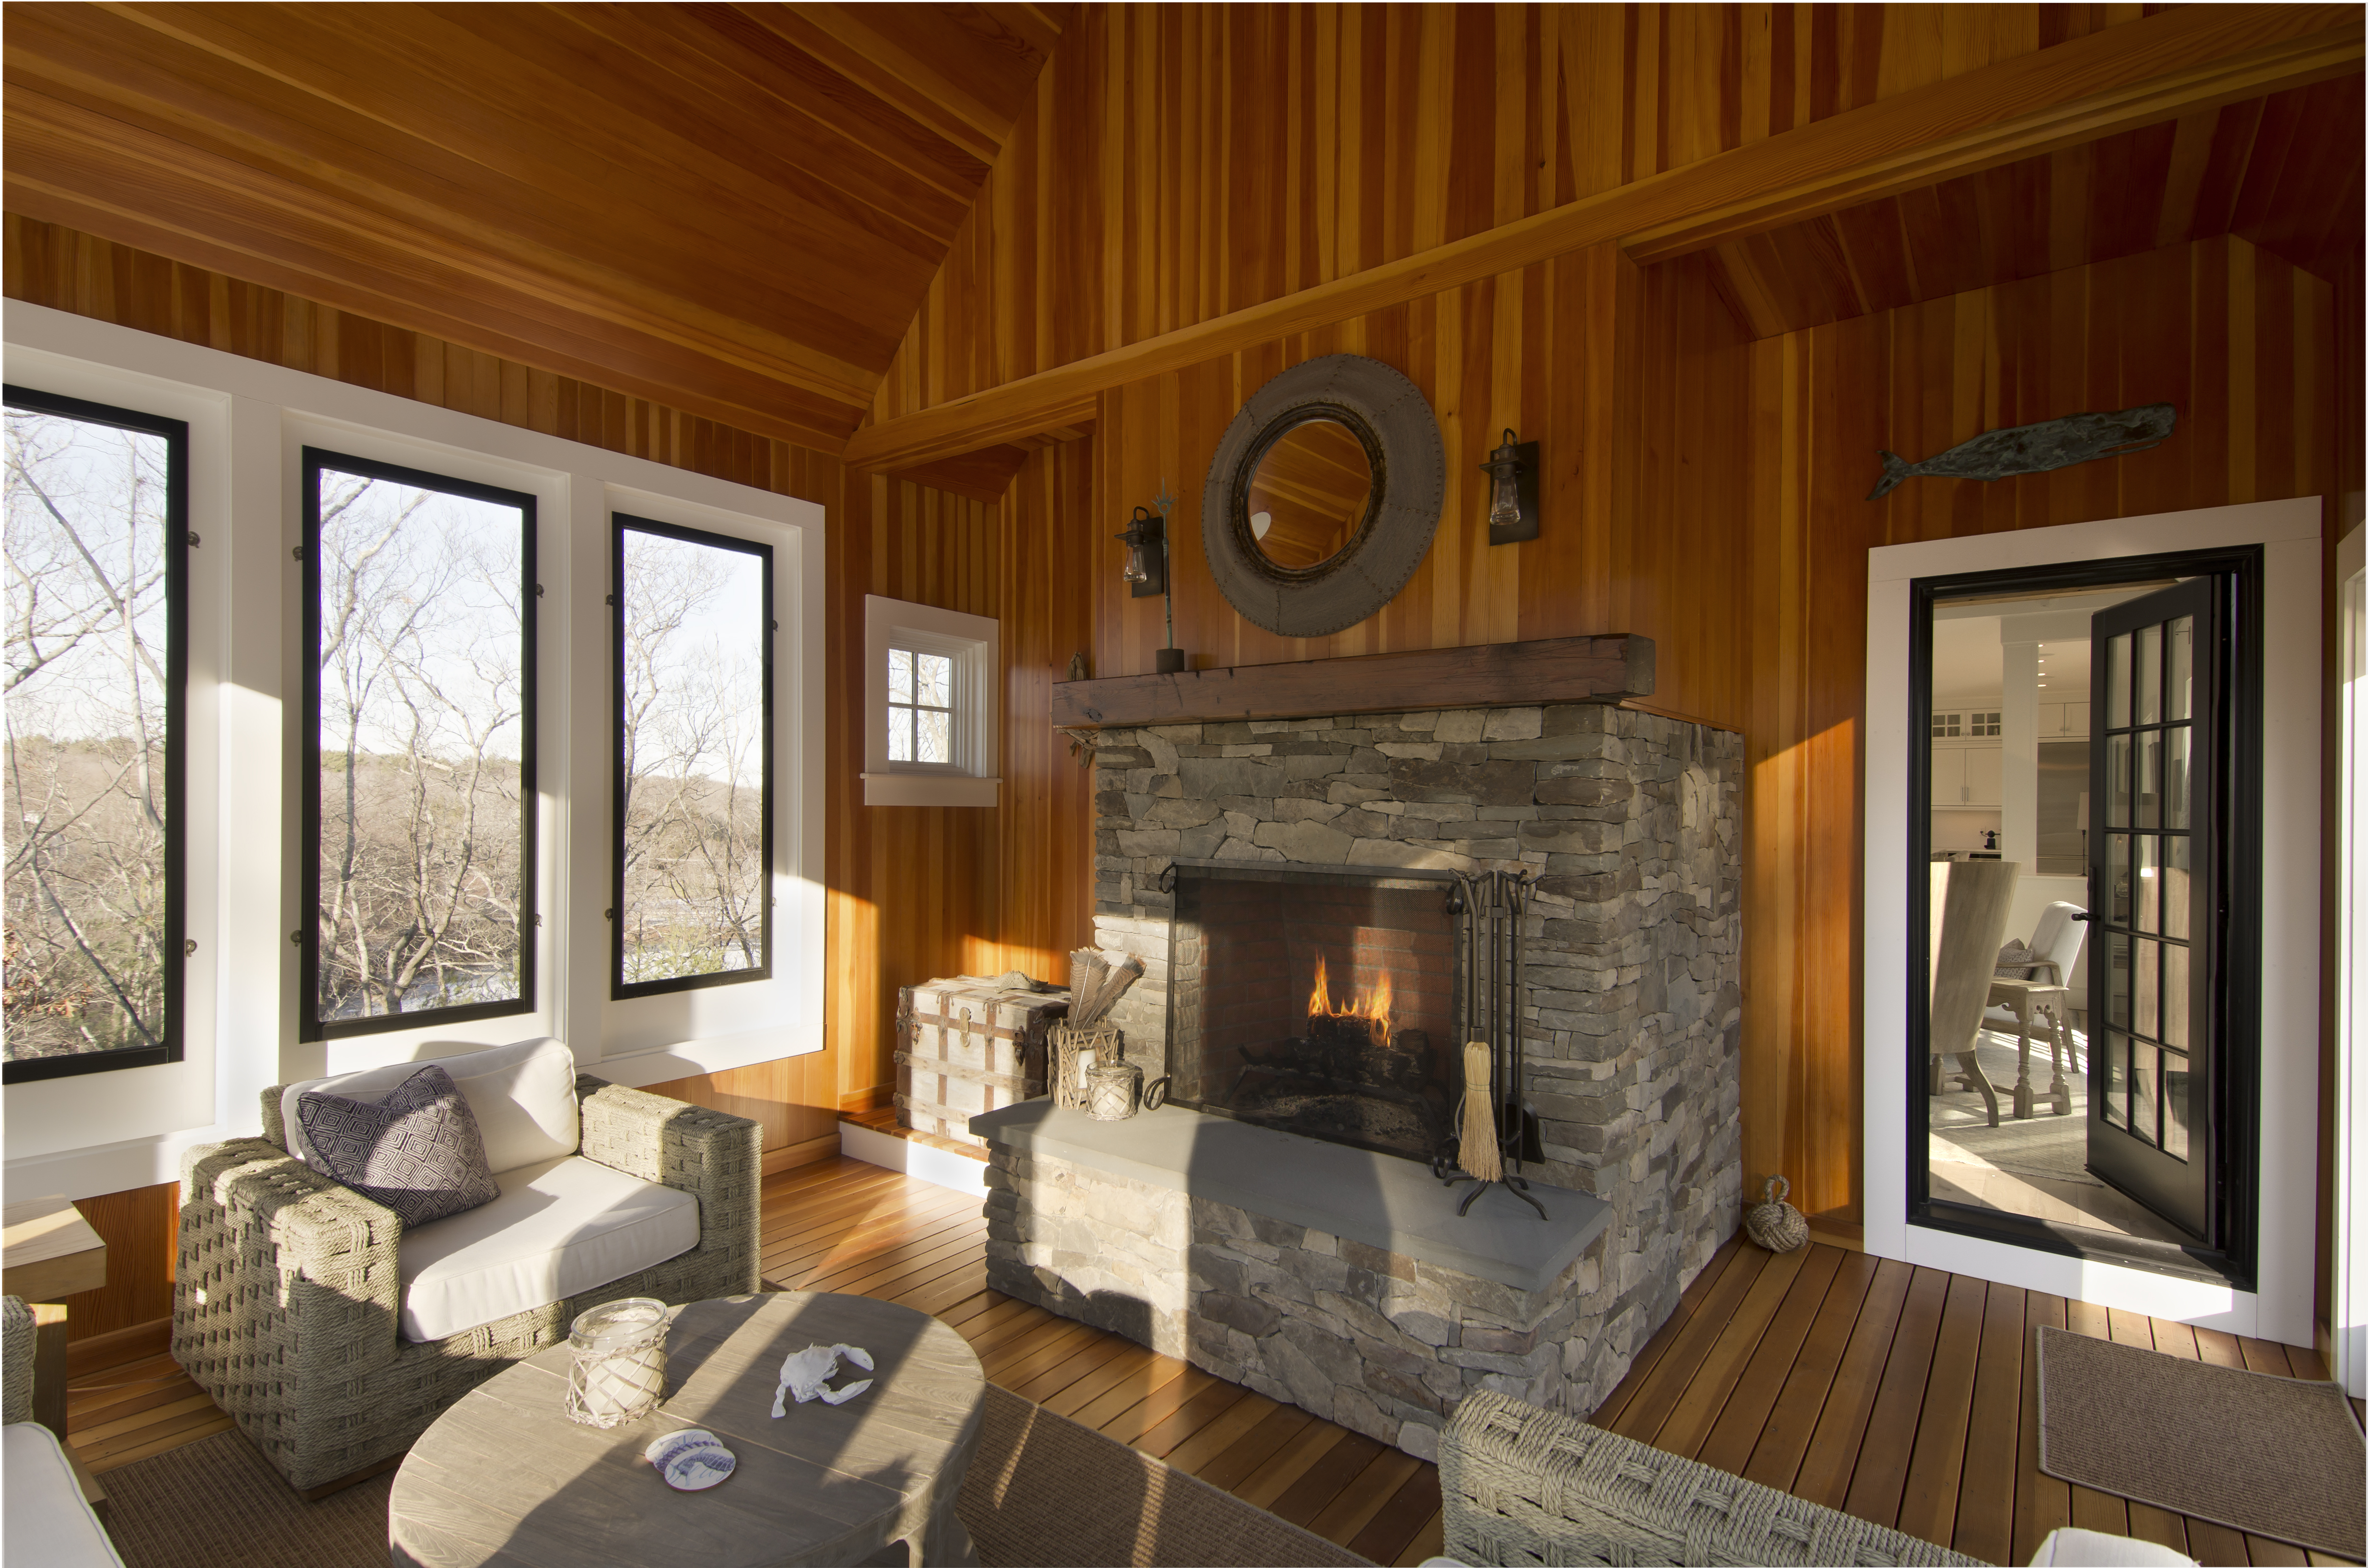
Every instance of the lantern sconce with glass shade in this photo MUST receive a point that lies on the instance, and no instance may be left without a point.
(1145, 574)
(1512, 471)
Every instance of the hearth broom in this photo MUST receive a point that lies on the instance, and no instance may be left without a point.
(1478, 1154)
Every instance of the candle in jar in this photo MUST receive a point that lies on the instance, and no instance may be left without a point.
(624, 1383)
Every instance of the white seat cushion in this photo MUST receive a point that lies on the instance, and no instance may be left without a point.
(559, 1228)
(2090, 1549)
(523, 1096)
(49, 1521)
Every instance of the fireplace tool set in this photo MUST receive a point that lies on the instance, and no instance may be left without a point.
(1497, 1131)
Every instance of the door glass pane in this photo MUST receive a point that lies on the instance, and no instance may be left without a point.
(2145, 887)
(2175, 887)
(2117, 1078)
(2149, 779)
(2145, 976)
(2179, 679)
(2142, 1084)
(2174, 1103)
(2117, 782)
(2117, 877)
(2117, 979)
(2117, 682)
(2176, 1002)
(2175, 764)
(2149, 660)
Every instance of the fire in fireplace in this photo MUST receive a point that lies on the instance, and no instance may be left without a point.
(1318, 1000)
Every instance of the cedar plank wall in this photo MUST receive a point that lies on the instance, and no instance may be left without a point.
(1158, 177)
(908, 889)
(1633, 538)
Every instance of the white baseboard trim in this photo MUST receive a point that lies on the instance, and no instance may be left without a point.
(918, 1161)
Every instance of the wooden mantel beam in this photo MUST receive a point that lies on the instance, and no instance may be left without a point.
(1490, 674)
(2179, 62)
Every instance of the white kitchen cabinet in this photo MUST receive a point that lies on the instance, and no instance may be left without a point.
(2060, 719)
(1967, 776)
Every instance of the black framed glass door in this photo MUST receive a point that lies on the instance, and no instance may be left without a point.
(2155, 797)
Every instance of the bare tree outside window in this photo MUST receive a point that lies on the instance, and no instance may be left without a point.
(422, 625)
(92, 525)
(693, 780)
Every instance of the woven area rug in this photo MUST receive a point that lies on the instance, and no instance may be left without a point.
(1046, 1491)
(2277, 1456)
(1041, 1491)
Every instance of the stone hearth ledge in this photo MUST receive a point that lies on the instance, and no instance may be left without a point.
(1385, 1202)
(1331, 1278)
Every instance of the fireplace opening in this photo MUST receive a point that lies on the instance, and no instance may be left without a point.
(1318, 1000)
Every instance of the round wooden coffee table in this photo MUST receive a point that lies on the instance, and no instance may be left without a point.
(504, 1477)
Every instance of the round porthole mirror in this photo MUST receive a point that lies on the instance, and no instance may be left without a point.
(1308, 494)
(1322, 496)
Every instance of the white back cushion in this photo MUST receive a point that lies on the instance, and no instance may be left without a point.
(523, 1096)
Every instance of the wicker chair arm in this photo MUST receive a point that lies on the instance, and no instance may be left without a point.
(716, 1157)
(300, 1244)
(15, 1360)
(668, 1142)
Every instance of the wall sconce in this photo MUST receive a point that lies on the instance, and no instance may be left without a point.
(1145, 574)
(1513, 492)
(1147, 553)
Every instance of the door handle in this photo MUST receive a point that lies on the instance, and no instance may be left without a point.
(2084, 917)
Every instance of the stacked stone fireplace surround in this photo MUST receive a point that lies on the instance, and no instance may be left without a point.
(1631, 1034)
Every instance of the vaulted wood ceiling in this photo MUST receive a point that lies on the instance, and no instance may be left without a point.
(733, 208)
(2283, 171)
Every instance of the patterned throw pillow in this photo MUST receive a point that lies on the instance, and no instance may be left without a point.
(418, 1151)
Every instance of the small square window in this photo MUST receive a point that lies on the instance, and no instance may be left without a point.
(932, 722)
(921, 716)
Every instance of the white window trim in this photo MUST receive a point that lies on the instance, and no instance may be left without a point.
(107, 1131)
(974, 644)
(2292, 856)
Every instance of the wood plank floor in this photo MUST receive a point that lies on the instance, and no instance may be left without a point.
(1903, 1396)
(1908, 1396)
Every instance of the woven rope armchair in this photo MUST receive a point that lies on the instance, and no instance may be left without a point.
(1526, 1487)
(287, 1297)
(16, 1361)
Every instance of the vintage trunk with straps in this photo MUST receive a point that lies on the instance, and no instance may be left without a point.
(967, 1045)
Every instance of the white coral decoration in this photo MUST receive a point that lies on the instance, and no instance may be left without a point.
(805, 1372)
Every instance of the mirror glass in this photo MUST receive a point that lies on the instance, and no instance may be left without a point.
(1309, 493)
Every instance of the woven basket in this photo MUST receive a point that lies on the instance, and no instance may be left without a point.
(1774, 1223)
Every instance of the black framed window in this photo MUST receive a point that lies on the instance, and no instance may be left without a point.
(97, 672)
(419, 726)
(693, 628)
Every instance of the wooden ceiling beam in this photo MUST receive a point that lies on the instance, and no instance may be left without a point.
(2142, 72)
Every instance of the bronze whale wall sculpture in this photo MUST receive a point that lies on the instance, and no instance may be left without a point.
(2035, 449)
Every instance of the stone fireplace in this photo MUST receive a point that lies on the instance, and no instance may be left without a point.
(1334, 1273)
